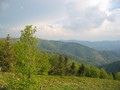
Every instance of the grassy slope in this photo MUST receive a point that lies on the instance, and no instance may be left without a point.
(77, 83)
(72, 83)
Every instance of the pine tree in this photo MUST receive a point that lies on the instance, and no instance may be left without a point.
(66, 65)
(8, 56)
(72, 69)
(2, 53)
(114, 76)
(61, 67)
(81, 70)
(66, 60)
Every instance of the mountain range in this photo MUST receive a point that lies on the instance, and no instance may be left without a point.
(79, 51)
(100, 45)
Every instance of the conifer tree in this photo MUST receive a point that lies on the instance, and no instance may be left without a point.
(61, 67)
(66, 65)
(114, 76)
(7, 62)
(72, 69)
(81, 70)
(2, 45)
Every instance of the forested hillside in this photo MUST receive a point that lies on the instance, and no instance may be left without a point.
(77, 52)
(112, 67)
(100, 45)
(92, 55)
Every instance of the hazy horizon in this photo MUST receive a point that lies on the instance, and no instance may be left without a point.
(84, 20)
(69, 39)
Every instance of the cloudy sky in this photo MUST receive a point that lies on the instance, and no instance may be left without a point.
(91, 20)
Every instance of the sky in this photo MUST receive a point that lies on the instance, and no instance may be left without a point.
(87, 20)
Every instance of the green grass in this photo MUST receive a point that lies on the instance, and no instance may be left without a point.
(72, 83)
(77, 83)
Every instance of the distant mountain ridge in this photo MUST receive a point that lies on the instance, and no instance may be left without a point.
(78, 50)
(100, 45)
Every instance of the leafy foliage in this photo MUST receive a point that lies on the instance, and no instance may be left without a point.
(25, 56)
(103, 73)
(29, 61)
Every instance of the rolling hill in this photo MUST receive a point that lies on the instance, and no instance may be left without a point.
(79, 50)
(100, 45)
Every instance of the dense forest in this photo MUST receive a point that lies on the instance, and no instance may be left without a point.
(23, 61)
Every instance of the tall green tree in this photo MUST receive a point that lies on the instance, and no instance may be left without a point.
(43, 63)
(7, 58)
(2, 44)
(53, 61)
(118, 76)
(61, 67)
(103, 73)
(25, 54)
(95, 72)
(88, 71)
(66, 65)
(72, 69)
(81, 70)
(114, 76)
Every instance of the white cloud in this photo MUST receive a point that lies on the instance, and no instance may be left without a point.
(70, 19)
(87, 19)
(51, 31)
